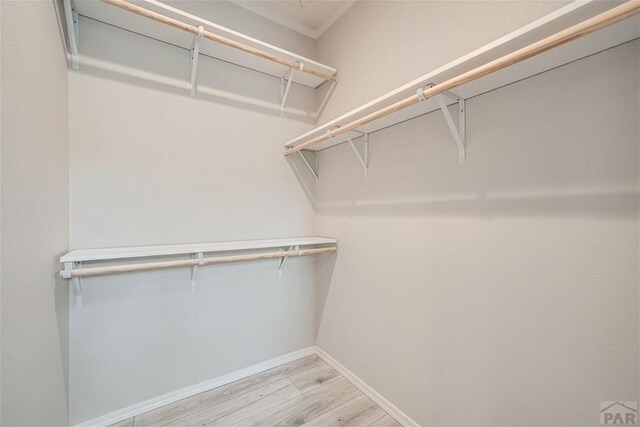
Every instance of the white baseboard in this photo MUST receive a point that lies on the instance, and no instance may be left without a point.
(185, 392)
(389, 407)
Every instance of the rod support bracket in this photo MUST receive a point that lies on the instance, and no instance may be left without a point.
(284, 90)
(313, 171)
(284, 259)
(195, 54)
(194, 269)
(75, 58)
(75, 62)
(363, 159)
(71, 18)
(77, 281)
(458, 132)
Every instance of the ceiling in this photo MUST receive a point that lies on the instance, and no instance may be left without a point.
(308, 17)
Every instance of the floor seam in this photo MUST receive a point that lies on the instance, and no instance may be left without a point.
(319, 415)
(270, 407)
(264, 397)
(239, 395)
(320, 385)
(378, 419)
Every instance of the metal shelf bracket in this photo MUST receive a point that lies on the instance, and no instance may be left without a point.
(314, 171)
(284, 259)
(194, 269)
(459, 132)
(71, 17)
(195, 53)
(364, 160)
(77, 281)
(284, 90)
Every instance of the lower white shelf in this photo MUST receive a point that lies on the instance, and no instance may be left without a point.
(236, 251)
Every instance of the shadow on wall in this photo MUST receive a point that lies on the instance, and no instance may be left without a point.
(117, 54)
(577, 202)
(302, 170)
(61, 295)
(61, 286)
(325, 266)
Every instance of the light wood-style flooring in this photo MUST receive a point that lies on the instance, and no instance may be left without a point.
(305, 392)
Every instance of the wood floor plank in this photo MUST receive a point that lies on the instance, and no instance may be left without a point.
(199, 402)
(360, 411)
(124, 423)
(386, 421)
(306, 407)
(278, 391)
(268, 402)
(367, 417)
(314, 377)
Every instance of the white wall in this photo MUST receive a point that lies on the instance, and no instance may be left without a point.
(151, 165)
(34, 215)
(503, 291)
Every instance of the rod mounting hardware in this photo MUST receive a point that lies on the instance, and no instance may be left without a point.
(77, 281)
(363, 159)
(284, 91)
(195, 53)
(194, 269)
(459, 132)
(71, 18)
(284, 259)
(313, 171)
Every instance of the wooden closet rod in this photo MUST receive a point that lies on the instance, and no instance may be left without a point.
(215, 37)
(96, 271)
(598, 22)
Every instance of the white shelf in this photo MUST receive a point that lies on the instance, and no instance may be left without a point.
(564, 17)
(115, 16)
(103, 254)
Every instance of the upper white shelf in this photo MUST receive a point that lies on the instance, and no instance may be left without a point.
(196, 16)
(104, 254)
(561, 19)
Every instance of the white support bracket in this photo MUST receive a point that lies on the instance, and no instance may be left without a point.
(283, 259)
(313, 171)
(71, 18)
(195, 53)
(284, 90)
(458, 133)
(364, 160)
(77, 281)
(75, 28)
(194, 269)
(323, 104)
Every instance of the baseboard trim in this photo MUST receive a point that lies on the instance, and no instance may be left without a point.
(189, 391)
(367, 390)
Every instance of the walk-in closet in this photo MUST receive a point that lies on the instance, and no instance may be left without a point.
(319, 212)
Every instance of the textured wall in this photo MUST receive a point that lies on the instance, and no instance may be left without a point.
(503, 291)
(34, 215)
